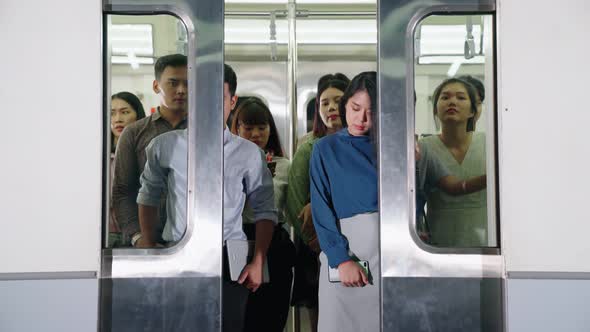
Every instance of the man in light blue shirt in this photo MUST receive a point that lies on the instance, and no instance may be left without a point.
(246, 176)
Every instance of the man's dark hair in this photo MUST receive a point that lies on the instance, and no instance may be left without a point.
(171, 60)
(229, 77)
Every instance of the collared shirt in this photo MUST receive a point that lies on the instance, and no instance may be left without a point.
(129, 163)
(245, 176)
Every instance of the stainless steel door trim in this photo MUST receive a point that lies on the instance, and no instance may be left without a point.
(49, 275)
(403, 254)
(198, 254)
(106, 84)
(414, 22)
(547, 275)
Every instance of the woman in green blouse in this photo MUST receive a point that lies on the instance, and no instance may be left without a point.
(298, 209)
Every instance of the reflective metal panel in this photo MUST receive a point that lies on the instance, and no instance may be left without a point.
(403, 254)
(423, 288)
(442, 304)
(160, 304)
(198, 253)
(178, 288)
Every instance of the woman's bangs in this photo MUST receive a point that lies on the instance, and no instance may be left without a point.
(253, 116)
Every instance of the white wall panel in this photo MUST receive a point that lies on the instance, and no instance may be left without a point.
(544, 142)
(50, 174)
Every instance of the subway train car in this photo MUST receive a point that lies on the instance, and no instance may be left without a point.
(528, 270)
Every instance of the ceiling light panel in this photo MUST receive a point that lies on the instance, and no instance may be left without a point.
(445, 59)
(337, 31)
(446, 39)
(136, 39)
(247, 31)
(302, 1)
(257, 31)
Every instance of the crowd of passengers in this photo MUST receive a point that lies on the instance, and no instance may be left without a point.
(327, 192)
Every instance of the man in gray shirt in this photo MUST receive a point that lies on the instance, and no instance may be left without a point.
(246, 177)
(170, 85)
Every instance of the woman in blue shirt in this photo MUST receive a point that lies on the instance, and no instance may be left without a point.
(344, 202)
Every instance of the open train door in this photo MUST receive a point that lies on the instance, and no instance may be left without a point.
(426, 286)
(177, 288)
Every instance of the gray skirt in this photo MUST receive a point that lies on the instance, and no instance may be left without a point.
(343, 309)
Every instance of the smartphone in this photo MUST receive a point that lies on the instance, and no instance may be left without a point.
(272, 166)
(334, 276)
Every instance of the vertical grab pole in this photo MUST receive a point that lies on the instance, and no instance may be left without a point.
(292, 77)
(292, 110)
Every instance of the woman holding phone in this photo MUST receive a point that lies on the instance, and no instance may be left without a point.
(298, 210)
(344, 204)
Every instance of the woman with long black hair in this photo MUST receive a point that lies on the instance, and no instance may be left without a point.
(344, 204)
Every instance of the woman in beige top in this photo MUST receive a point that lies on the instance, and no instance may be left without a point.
(457, 221)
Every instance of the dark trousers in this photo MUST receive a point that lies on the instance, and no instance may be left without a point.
(234, 299)
(268, 307)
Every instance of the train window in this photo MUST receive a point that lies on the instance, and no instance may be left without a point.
(455, 131)
(146, 107)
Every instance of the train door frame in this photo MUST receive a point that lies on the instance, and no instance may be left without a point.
(424, 288)
(153, 289)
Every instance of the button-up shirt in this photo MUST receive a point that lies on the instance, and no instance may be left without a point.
(245, 176)
(129, 163)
